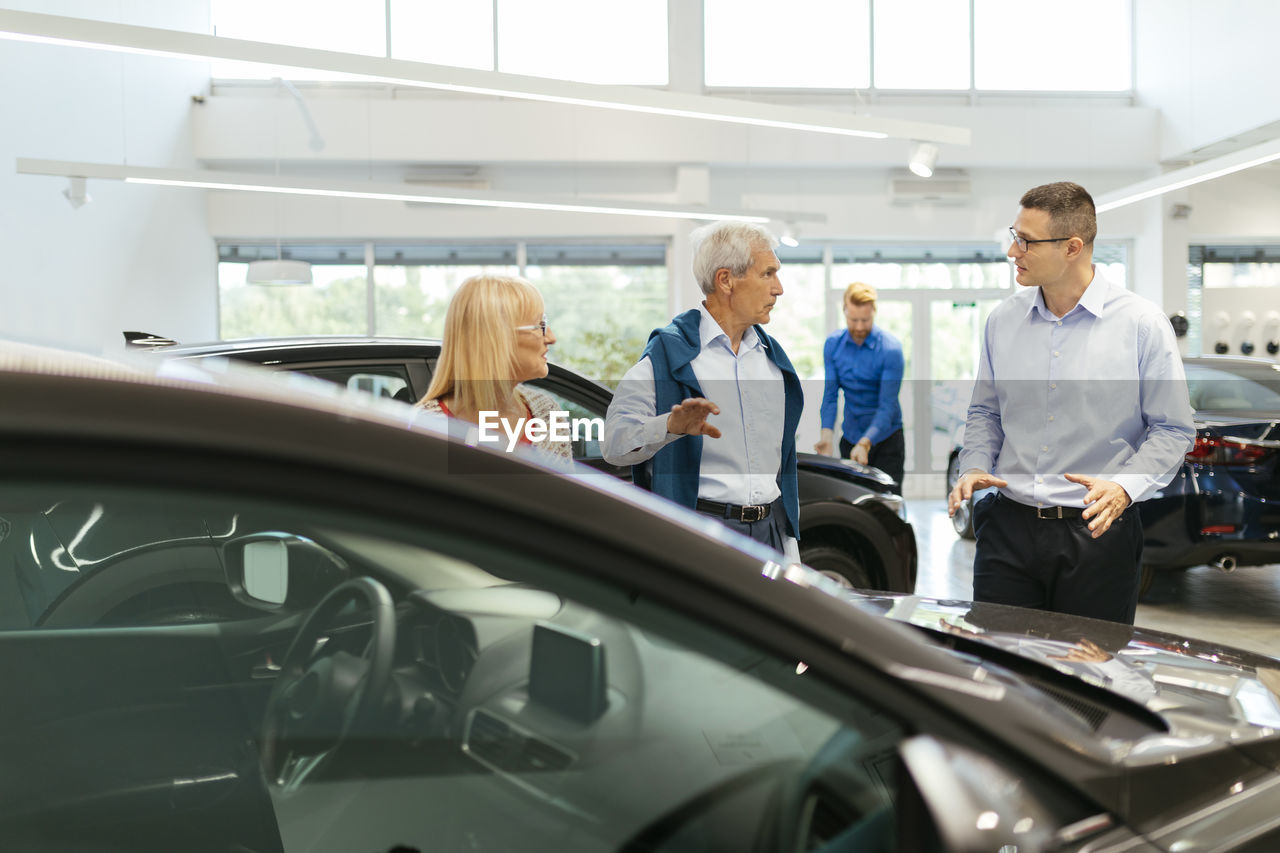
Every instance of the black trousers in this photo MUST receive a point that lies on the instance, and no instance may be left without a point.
(890, 456)
(1056, 564)
(771, 531)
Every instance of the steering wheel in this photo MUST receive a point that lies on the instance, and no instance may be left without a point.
(318, 699)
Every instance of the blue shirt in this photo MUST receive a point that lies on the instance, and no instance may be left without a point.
(1099, 391)
(870, 374)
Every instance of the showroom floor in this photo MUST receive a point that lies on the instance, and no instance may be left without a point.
(1238, 609)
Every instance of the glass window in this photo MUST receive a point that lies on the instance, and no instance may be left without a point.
(458, 32)
(822, 44)
(910, 55)
(921, 276)
(1246, 389)
(411, 301)
(334, 304)
(95, 557)
(1025, 46)
(381, 380)
(523, 702)
(1241, 275)
(601, 314)
(584, 40)
(956, 330)
(799, 321)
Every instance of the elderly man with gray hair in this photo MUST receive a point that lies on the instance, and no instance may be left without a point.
(708, 416)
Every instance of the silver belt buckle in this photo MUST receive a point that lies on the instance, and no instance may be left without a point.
(1048, 512)
(751, 512)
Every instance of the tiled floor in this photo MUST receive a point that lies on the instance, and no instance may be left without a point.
(1239, 609)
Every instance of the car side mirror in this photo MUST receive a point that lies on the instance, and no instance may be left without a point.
(280, 571)
(977, 806)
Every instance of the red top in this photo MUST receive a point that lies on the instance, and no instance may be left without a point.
(521, 439)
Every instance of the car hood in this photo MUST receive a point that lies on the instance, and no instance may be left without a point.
(1203, 693)
(845, 469)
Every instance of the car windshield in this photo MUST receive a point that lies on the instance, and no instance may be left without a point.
(1245, 387)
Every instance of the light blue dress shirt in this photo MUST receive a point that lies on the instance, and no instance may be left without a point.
(740, 467)
(1099, 391)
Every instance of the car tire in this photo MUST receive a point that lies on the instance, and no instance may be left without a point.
(837, 564)
(962, 520)
(1146, 579)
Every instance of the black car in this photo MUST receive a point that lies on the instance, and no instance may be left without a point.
(1221, 507)
(851, 524)
(240, 616)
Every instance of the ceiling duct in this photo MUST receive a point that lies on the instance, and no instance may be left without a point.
(947, 186)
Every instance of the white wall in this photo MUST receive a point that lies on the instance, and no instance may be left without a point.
(1209, 66)
(136, 257)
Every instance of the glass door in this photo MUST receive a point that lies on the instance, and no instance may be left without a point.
(955, 337)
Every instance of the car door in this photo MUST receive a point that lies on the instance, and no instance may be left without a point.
(136, 671)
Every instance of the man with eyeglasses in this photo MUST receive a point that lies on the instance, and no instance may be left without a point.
(717, 361)
(1080, 410)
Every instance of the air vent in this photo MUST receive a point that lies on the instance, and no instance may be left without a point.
(502, 746)
(825, 819)
(1092, 715)
(947, 186)
(538, 756)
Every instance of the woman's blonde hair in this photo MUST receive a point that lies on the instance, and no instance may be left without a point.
(478, 357)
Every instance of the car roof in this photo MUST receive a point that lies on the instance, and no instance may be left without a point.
(247, 345)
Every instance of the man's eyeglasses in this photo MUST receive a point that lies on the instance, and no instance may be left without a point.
(540, 327)
(1023, 242)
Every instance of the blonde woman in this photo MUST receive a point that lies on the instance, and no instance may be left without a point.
(495, 337)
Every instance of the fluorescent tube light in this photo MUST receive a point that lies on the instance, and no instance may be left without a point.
(241, 182)
(1237, 161)
(151, 41)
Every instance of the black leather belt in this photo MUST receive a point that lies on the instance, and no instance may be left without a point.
(738, 512)
(1048, 512)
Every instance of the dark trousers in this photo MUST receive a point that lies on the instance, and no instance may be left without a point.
(1056, 564)
(890, 456)
(771, 531)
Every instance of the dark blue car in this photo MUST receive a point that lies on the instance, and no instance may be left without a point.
(1222, 508)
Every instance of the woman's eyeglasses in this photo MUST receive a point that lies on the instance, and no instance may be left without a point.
(540, 327)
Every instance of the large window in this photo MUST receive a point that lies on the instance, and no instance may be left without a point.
(1037, 46)
(911, 56)
(602, 300)
(413, 284)
(334, 304)
(568, 39)
(1012, 45)
(822, 44)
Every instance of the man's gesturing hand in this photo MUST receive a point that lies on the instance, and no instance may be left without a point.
(1103, 504)
(689, 417)
(972, 481)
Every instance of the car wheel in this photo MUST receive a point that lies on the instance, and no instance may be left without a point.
(962, 521)
(838, 564)
(1145, 580)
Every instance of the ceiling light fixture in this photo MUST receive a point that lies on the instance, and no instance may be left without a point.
(1238, 161)
(290, 185)
(152, 41)
(279, 271)
(75, 193)
(788, 237)
(924, 156)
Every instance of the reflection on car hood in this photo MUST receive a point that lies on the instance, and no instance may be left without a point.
(1206, 694)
